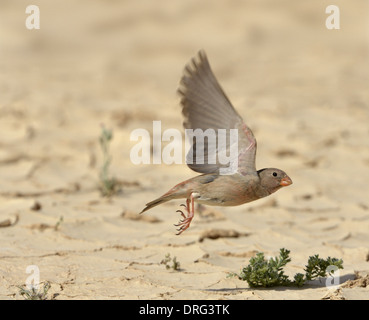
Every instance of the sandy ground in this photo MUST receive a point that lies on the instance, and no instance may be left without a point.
(302, 89)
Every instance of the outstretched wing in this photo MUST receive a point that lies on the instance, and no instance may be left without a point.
(205, 106)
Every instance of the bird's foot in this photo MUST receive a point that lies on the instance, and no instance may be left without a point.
(184, 223)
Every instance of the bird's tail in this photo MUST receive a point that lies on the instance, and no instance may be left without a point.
(158, 201)
(177, 192)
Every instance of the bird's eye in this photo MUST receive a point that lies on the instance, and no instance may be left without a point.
(275, 174)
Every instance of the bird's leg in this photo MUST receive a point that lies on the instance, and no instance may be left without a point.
(186, 221)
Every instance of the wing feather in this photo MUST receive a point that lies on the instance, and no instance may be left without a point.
(206, 106)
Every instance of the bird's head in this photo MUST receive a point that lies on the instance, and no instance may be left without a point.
(273, 179)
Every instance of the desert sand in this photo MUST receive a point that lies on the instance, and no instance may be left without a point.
(301, 88)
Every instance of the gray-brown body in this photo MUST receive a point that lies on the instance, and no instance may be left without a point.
(223, 190)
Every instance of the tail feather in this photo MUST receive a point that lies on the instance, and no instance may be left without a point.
(156, 202)
(177, 192)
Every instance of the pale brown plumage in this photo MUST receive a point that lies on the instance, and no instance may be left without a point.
(205, 106)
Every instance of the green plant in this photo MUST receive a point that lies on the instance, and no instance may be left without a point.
(33, 293)
(175, 264)
(317, 267)
(108, 185)
(58, 223)
(269, 273)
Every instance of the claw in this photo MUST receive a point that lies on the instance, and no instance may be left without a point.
(180, 230)
(182, 214)
(184, 223)
(181, 222)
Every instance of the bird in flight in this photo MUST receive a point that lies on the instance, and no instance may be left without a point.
(205, 106)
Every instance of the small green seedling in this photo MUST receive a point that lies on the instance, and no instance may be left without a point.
(33, 293)
(269, 273)
(175, 264)
(108, 185)
(57, 225)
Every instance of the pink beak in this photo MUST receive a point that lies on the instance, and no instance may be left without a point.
(286, 181)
